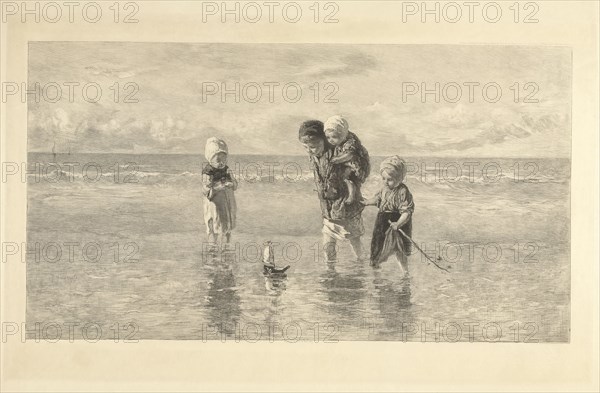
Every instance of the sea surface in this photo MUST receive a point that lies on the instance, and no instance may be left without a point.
(117, 245)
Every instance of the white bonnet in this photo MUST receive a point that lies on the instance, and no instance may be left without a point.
(213, 147)
(337, 123)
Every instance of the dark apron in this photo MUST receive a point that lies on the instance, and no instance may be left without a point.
(379, 232)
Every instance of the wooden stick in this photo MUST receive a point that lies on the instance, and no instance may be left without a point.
(422, 252)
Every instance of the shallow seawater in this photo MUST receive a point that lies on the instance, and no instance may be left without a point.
(149, 275)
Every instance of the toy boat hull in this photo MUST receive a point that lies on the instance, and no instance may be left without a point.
(275, 270)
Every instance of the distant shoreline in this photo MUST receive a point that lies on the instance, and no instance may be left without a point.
(302, 155)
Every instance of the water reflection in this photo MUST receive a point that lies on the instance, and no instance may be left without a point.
(275, 284)
(224, 302)
(343, 292)
(392, 298)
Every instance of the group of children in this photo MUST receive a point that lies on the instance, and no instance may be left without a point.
(392, 231)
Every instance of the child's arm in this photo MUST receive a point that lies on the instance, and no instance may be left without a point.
(342, 158)
(406, 207)
(369, 201)
(374, 201)
(231, 181)
(404, 217)
(207, 186)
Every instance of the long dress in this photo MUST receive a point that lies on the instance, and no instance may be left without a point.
(219, 204)
(386, 241)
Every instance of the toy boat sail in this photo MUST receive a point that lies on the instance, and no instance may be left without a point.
(269, 266)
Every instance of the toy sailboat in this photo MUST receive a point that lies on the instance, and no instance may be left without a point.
(269, 266)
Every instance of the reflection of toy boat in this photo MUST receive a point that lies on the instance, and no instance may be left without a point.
(275, 270)
(269, 266)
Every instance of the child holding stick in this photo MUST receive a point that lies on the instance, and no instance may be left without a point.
(396, 207)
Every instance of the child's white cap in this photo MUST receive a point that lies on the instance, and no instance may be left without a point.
(336, 123)
(213, 147)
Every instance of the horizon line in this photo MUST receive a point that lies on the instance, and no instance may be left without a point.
(294, 155)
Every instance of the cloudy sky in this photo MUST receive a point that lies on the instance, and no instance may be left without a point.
(173, 116)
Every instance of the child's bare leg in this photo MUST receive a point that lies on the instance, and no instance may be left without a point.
(357, 248)
(212, 242)
(351, 191)
(351, 187)
(329, 248)
(210, 232)
(212, 238)
(225, 239)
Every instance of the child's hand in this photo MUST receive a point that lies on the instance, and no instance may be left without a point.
(395, 225)
(228, 184)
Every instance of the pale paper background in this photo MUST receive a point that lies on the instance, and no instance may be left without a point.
(348, 366)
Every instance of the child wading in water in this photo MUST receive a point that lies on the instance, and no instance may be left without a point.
(218, 186)
(396, 207)
(349, 152)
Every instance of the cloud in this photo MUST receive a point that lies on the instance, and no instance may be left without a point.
(384, 120)
(458, 116)
(171, 117)
(165, 129)
(523, 128)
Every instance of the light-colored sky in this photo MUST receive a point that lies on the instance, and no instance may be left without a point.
(171, 116)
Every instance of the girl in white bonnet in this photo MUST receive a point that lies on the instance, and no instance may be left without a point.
(350, 152)
(218, 186)
(396, 208)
